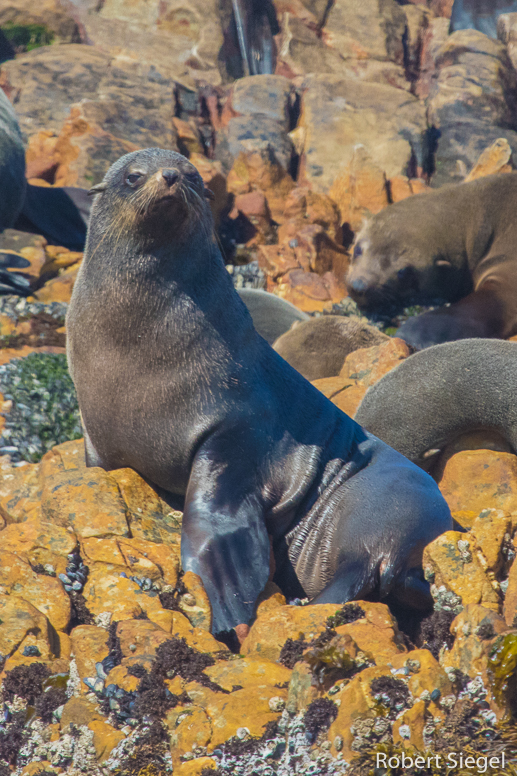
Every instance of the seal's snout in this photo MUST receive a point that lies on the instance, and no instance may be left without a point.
(170, 176)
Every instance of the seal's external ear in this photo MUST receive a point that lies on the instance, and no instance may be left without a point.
(97, 189)
(208, 194)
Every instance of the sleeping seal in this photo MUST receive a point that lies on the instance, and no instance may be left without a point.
(456, 244)
(174, 381)
(448, 390)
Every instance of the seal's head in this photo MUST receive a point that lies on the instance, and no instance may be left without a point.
(152, 194)
(402, 255)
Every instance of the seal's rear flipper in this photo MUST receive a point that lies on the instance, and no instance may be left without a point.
(60, 215)
(352, 581)
(413, 591)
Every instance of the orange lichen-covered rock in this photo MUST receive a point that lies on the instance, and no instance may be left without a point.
(244, 708)
(44, 592)
(270, 631)
(87, 500)
(40, 543)
(89, 646)
(452, 561)
(492, 530)
(195, 603)
(20, 493)
(22, 623)
(480, 479)
(414, 720)
(496, 158)
(247, 673)
(361, 369)
(59, 289)
(474, 629)
(376, 633)
(108, 590)
(149, 517)
(303, 206)
(188, 728)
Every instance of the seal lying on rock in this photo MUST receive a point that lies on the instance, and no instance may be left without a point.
(271, 315)
(457, 244)
(318, 348)
(174, 381)
(480, 15)
(448, 390)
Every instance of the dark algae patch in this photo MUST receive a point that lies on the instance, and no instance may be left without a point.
(292, 652)
(319, 716)
(26, 681)
(435, 632)
(349, 613)
(392, 693)
(48, 702)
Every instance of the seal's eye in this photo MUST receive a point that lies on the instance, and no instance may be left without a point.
(133, 178)
(358, 251)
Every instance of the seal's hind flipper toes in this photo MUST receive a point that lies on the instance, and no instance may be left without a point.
(352, 581)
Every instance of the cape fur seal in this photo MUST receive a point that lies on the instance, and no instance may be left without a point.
(271, 315)
(12, 165)
(318, 347)
(480, 15)
(174, 381)
(448, 390)
(456, 244)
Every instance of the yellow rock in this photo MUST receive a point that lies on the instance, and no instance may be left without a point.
(454, 561)
(471, 649)
(105, 738)
(79, 711)
(32, 769)
(90, 646)
(489, 531)
(270, 630)
(495, 158)
(150, 518)
(140, 637)
(195, 604)
(20, 493)
(87, 500)
(480, 479)
(106, 591)
(415, 719)
(429, 676)
(71, 454)
(510, 601)
(145, 558)
(196, 767)
(270, 598)
(39, 543)
(354, 702)
(189, 728)
(59, 289)
(195, 637)
(247, 673)
(376, 634)
(102, 551)
(45, 593)
(21, 623)
(241, 708)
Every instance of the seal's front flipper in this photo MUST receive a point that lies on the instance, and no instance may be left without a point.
(224, 540)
